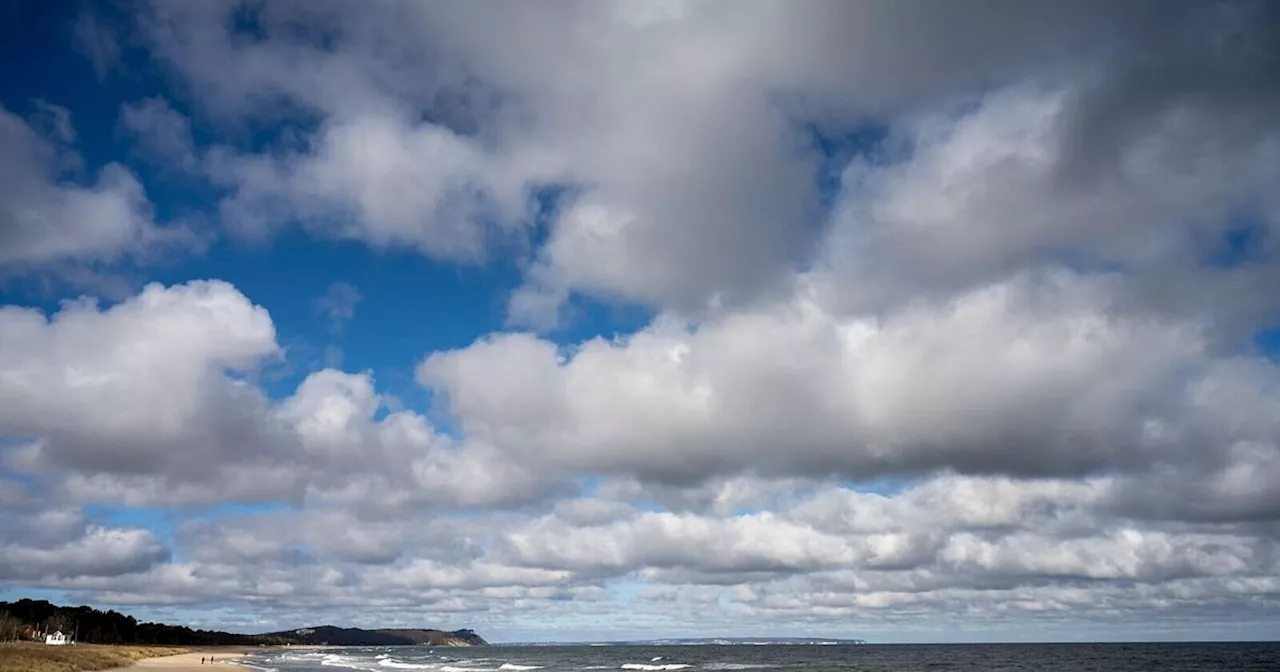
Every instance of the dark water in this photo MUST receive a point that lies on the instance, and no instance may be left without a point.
(865, 658)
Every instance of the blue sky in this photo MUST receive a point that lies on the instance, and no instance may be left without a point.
(603, 320)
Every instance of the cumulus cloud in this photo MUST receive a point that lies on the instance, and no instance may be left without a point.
(381, 180)
(997, 191)
(152, 401)
(1034, 376)
(954, 313)
(137, 386)
(994, 549)
(689, 152)
(47, 217)
(59, 544)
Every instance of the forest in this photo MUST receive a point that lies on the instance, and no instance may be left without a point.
(31, 619)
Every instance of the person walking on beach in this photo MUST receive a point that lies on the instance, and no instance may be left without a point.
(202, 660)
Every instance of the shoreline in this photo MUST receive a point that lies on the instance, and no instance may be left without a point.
(182, 662)
(223, 655)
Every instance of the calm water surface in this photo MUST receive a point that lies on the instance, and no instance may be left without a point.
(865, 658)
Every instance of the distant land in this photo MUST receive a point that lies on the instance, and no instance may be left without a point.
(335, 636)
(31, 620)
(710, 641)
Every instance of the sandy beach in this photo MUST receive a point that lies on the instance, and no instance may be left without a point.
(184, 662)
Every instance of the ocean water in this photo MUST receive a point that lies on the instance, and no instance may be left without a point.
(1264, 657)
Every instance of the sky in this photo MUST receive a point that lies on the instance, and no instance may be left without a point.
(896, 320)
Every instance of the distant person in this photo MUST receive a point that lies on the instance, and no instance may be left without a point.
(202, 660)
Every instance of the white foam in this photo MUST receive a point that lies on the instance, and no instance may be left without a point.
(451, 668)
(335, 660)
(518, 668)
(251, 666)
(735, 666)
(391, 662)
(653, 668)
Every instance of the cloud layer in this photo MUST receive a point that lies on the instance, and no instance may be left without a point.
(958, 311)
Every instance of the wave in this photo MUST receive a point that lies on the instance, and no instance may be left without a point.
(335, 660)
(395, 664)
(251, 666)
(653, 668)
(735, 666)
(512, 667)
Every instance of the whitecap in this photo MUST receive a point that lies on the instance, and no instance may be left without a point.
(335, 660)
(512, 667)
(395, 664)
(653, 668)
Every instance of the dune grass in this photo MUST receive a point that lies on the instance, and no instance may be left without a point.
(37, 657)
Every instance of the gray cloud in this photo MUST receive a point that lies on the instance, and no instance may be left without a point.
(162, 134)
(996, 550)
(48, 218)
(133, 405)
(750, 529)
(1018, 316)
(60, 543)
(1038, 375)
(98, 41)
(692, 180)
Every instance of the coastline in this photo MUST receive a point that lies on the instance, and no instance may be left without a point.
(189, 661)
(183, 662)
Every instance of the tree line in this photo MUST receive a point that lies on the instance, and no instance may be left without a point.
(29, 619)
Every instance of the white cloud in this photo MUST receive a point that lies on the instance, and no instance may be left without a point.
(995, 550)
(59, 544)
(688, 148)
(338, 305)
(378, 179)
(997, 191)
(47, 217)
(139, 387)
(1015, 321)
(1032, 376)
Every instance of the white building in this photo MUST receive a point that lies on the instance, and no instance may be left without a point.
(56, 639)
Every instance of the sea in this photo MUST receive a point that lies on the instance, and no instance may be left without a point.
(1189, 657)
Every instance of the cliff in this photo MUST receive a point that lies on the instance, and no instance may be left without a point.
(440, 637)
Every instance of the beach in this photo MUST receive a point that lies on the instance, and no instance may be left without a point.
(183, 662)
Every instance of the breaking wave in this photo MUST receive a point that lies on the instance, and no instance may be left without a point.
(395, 664)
